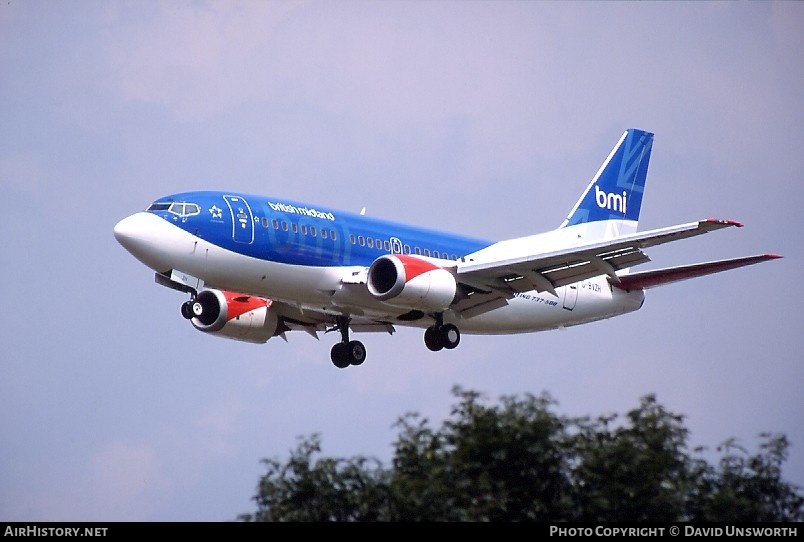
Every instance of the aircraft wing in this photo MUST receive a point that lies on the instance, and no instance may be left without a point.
(489, 281)
(658, 277)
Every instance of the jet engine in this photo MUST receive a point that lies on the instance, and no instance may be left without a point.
(410, 282)
(232, 315)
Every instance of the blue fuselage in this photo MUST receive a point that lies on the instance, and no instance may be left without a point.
(289, 232)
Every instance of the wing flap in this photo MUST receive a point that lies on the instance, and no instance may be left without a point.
(372, 327)
(480, 303)
(314, 321)
(659, 277)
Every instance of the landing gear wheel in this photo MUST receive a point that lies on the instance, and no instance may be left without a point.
(345, 354)
(340, 355)
(432, 339)
(450, 336)
(187, 310)
(356, 352)
(446, 336)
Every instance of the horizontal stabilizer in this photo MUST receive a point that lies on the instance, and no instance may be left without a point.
(650, 279)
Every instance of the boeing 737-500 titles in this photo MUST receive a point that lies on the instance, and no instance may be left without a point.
(257, 267)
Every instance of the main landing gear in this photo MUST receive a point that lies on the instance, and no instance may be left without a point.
(346, 352)
(441, 335)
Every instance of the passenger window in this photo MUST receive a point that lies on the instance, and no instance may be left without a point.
(352, 238)
(361, 240)
(407, 249)
(418, 251)
(323, 233)
(264, 222)
(304, 229)
(312, 231)
(387, 246)
(294, 227)
(427, 252)
(435, 254)
(275, 223)
(332, 235)
(370, 242)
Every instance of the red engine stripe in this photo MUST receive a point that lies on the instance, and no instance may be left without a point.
(239, 304)
(415, 266)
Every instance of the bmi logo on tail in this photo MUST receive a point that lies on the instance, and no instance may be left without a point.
(613, 202)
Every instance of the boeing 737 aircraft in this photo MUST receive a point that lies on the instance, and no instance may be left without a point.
(257, 267)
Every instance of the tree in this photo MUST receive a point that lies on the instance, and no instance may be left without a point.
(636, 472)
(745, 487)
(520, 461)
(322, 490)
(486, 463)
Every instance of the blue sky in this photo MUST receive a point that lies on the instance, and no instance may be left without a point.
(484, 118)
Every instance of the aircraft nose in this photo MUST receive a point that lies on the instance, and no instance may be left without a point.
(126, 230)
(147, 237)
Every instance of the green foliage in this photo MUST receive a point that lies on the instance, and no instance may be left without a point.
(323, 490)
(486, 464)
(743, 487)
(519, 461)
(636, 472)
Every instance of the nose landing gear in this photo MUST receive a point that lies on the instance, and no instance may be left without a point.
(187, 310)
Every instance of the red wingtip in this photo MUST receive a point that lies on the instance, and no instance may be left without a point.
(727, 222)
(773, 256)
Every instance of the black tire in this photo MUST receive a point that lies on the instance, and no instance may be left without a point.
(450, 336)
(356, 352)
(187, 310)
(432, 339)
(340, 355)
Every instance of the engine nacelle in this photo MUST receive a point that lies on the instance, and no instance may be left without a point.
(410, 282)
(234, 315)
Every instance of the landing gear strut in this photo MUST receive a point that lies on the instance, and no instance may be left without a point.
(346, 352)
(441, 335)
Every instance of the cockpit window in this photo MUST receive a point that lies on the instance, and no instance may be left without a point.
(189, 209)
(177, 208)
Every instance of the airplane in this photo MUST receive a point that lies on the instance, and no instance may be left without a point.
(258, 267)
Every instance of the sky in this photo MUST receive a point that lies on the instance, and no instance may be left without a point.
(482, 118)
